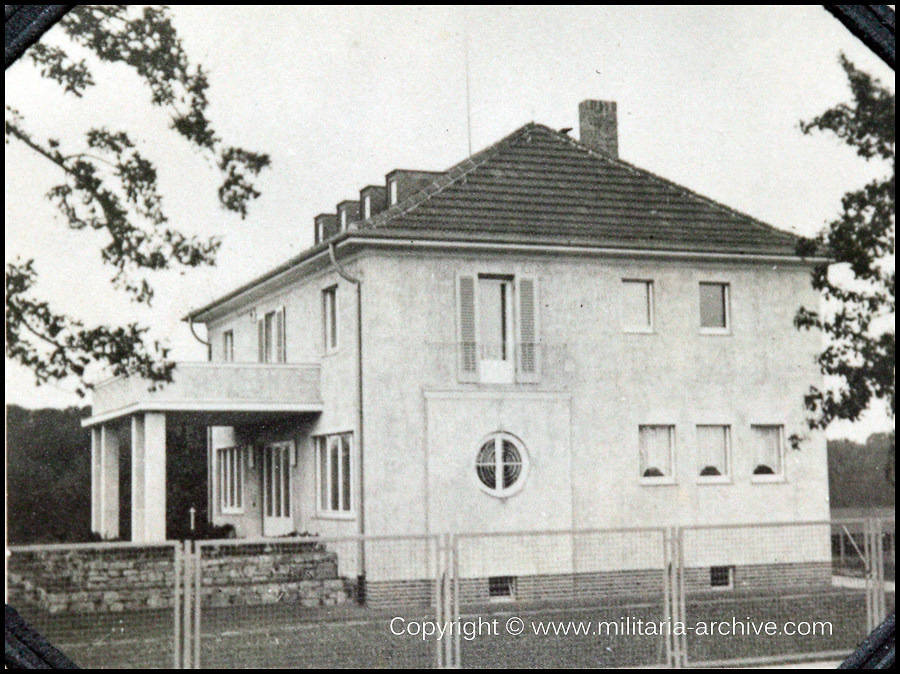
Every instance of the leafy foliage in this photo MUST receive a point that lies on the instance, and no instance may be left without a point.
(861, 475)
(109, 186)
(48, 475)
(857, 283)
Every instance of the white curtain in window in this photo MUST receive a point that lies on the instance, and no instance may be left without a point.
(656, 451)
(767, 440)
(712, 449)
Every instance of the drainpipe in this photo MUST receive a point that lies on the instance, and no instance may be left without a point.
(209, 455)
(197, 337)
(359, 390)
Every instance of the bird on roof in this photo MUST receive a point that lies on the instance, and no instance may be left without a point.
(566, 130)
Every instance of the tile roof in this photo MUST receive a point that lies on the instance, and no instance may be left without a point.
(538, 185)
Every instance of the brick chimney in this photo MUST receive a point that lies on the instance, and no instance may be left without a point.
(598, 126)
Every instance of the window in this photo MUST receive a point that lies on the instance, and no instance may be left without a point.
(334, 456)
(497, 328)
(329, 319)
(495, 318)
(367, 207)
(320, 232)
(713, 450)
(637, 306)
(768, 462)
(228, 346)
(714, 307)
(271, 337)
(501, 465)
(393, 191)
(721, 577)
(343, 219)
(657, 447)
(501, 588)
(231, 480)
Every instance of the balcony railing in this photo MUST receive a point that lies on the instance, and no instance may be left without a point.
(546, 363)
(214, 387)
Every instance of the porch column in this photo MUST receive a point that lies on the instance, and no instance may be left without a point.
(148, 477)
(108, 486)
(95, 479)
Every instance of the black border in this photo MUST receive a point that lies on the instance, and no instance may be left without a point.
(25, 24)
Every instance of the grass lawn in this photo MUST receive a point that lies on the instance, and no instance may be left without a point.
(280, 635)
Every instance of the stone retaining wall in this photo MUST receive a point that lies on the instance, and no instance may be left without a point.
(89, 580)
(305, 574)
(85, 580)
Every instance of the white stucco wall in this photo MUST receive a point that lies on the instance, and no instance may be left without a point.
(423, 427)
(579, 423)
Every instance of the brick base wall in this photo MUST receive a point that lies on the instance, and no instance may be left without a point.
(764, 577)
(603, 585)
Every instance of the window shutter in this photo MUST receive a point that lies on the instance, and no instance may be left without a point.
(280, 350)
(467, 340)
(528, 351)
(261, 337)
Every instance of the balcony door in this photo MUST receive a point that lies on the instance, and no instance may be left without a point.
(496, 327)
(277, 503)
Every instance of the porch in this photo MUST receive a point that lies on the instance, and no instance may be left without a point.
(130, 416)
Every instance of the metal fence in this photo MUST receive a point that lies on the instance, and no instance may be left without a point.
(538, 598)
(102, 604)
(322, 602)
(769, 593)
(653, 597)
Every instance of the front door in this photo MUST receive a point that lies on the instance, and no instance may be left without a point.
(278, 517)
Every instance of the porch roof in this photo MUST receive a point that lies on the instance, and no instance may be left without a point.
(216, 393)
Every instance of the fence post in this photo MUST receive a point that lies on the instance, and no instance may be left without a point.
(440, 569)
(455, 615)
(187, 611)
(881, 601)
(198, 579)
(176, 603)
(869, 573)
(681, 653)
(667, 591)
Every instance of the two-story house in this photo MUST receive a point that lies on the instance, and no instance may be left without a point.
(542, 337)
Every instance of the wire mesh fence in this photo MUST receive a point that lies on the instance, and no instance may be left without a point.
(772, 592)
(103, 604)
(315, 602)
(743, 594)
(560, 598)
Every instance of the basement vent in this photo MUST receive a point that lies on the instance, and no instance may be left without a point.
(721, 577)
(501, 587)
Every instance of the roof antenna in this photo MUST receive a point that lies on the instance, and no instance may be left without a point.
(468, 95)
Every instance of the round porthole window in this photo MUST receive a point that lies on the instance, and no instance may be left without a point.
(501, 465)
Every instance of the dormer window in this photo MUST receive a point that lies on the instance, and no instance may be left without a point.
(343, 220)
(367, 207)
(392, 189)
(320, 232)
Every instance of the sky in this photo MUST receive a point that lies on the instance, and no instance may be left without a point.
(709, 97)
